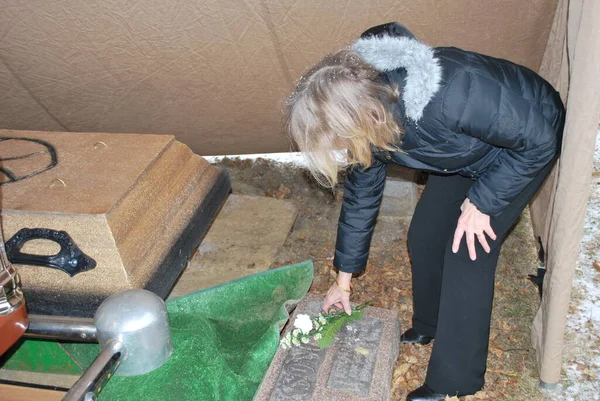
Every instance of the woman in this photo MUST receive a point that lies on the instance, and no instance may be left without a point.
(486, 129)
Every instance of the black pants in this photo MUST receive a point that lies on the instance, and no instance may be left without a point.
(452, 295)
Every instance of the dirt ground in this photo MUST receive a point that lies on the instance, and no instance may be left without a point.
(386, 282)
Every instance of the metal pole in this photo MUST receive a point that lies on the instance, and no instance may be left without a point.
(61, 328)
(97, 375)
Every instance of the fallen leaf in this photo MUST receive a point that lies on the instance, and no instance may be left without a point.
(411, 359)
(504, 372)
(415, 383)
(483, 395)
(282, 192)
(361, 350)
(589, 373)
(596, 265)
(402, 369)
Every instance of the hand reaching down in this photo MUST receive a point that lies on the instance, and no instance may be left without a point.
(339, 294)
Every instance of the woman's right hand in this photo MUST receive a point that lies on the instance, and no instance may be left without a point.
(338, 297)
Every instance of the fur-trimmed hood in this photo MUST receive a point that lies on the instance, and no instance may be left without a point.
(424, 73)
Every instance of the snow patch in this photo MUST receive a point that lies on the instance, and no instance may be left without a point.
(294, 158)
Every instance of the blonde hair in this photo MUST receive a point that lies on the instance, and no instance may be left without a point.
(336, 115)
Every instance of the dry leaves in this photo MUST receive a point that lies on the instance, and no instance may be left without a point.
(482, 395)
(590, 374)
(282, 192)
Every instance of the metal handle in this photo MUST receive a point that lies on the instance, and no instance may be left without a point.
(61, 328)
(97, 375)
(69, 259)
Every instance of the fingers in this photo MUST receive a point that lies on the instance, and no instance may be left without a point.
(471, 245)
(342, 305)
(346, 306)
(329, 300)
(490, 232)
(472, 224)
(327, 304)
(458, 234)
(335, 298)
(483, 241)
(470, 238)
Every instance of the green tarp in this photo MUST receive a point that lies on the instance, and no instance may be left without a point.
(224, 339)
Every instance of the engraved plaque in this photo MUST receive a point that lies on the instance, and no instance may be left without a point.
(298, 376)
(354, 361)
(357, 367)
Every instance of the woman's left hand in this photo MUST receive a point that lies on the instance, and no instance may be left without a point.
(472, 223)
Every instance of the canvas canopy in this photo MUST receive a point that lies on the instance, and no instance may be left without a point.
(215, 74)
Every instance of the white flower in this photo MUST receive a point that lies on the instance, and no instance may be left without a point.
(322, 320)
(317, 336)
(295, 341)
(304, 323)
(284, 345)
(305, 340)
(296, 332)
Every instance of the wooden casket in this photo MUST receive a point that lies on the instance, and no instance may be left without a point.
(137, 205)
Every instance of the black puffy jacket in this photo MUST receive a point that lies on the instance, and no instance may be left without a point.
(463, 113)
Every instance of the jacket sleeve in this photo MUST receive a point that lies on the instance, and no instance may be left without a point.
(525, 130)
(363, 191)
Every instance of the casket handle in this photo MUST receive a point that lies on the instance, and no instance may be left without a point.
(69, 259)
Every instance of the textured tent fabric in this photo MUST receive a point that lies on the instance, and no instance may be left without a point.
(572, 64)
(214, 72)
(554, 69)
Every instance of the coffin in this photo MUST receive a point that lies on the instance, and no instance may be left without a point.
(138, 205)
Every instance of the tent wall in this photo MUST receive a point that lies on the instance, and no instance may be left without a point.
(555, 68)
(572, 63)
(214, 72)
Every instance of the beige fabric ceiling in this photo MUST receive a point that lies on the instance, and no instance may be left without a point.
(214, 73)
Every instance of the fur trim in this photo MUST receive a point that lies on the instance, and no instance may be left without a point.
(387, 53)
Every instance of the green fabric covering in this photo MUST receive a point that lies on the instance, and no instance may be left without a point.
(46, 357)
(224, 339)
